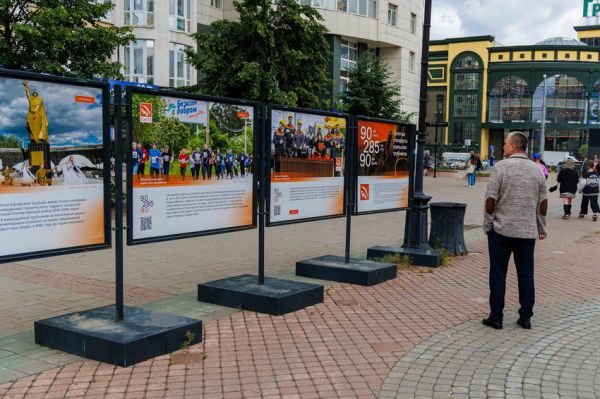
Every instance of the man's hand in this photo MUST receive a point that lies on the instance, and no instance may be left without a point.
(543, 236)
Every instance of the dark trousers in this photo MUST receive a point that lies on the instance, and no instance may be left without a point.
(196, 171)
(500, 249)
(592, 200)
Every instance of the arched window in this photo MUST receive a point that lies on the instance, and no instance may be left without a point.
(594, 104)
(466, 86)
(510, 101)
(565, 100)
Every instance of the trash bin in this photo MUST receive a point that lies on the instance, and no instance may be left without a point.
(447, 227)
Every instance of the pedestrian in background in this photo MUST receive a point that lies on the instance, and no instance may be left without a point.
(515, 216)
(590, 190)
(537, 158)
(567, 180)
(471, 170)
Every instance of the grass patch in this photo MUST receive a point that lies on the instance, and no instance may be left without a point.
(445, 258)
(403, 263)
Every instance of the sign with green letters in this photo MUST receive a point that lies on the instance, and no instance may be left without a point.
(590, 9)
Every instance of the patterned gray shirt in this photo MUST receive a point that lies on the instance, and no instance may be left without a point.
(515, 201)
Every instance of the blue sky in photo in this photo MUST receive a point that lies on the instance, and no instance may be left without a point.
(70, 123)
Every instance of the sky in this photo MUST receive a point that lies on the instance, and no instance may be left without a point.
(70, 123)
(512, 22)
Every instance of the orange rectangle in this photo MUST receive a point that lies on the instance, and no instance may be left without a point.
(85, 99)
(294, 212)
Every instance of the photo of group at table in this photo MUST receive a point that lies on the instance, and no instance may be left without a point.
(308, 136)
(156, 162)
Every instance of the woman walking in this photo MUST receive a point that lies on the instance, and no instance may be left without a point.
(590, 192)
(567, 179)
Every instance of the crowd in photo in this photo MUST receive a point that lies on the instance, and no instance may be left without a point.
(200, 164)
(316, 142)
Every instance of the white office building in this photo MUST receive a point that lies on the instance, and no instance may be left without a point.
(390, 28)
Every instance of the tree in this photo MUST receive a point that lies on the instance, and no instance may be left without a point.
(170, 131)
(370, 91)
(141, 131)
(60, 37)
(277, 52)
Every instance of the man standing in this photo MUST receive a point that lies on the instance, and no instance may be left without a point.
(515, 216)
(206, 157)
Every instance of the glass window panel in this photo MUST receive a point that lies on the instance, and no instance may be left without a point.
(138, 57)
(362, 7)
(180, 8)
(372, 8)
(353, 6)
(138, 5)
(342, 5)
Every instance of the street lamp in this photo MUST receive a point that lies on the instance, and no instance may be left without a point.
(543, 133)
(415, 230)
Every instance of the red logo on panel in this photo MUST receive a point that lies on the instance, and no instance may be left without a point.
(145, 112)
(364, 192)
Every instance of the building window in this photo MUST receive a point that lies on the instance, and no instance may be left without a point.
(466, 81)
(521, 56)
(217, 3)
(510, 101)
(567, 55)
(180, 14)
(565, 100)
(544, 55)
(411, 61)
(366, 8)
(349, 60)
(138, 61)
(413, 23)
(179, 69)
(139, 12)
(589, 56)
(392, 14)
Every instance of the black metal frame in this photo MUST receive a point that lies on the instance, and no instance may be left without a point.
(6, 73)
(183, 95)
(267, 149)
(411, 159)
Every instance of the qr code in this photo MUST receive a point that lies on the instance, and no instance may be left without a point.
(277, 210)
(146, 223)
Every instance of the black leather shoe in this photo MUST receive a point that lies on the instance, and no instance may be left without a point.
(525, 323)
(492, 323)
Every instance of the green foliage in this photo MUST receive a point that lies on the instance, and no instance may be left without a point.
(371, 91)
(189, 338)
(60, 37)
(9, 141)
(141, 131)
(583, 150)
(276, 52)
(169, 131)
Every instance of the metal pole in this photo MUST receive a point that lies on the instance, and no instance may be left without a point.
(543, 134)
(437, 126)
(417, 215)
(118, 205)
(245, 134)
(348, 167)
(261, 165)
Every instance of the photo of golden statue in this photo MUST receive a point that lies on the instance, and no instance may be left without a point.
(37, 122)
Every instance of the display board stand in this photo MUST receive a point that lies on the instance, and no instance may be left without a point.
(119, 334)
(416, 245)
(343, 268)
(259, 293)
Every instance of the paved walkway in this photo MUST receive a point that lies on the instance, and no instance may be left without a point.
(358, 343)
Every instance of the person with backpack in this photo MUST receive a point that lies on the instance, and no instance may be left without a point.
(589, 186)
(537, 158)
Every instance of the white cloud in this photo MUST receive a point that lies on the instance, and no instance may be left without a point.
(512, 22)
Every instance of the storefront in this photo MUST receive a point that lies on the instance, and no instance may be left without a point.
(550, 90)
